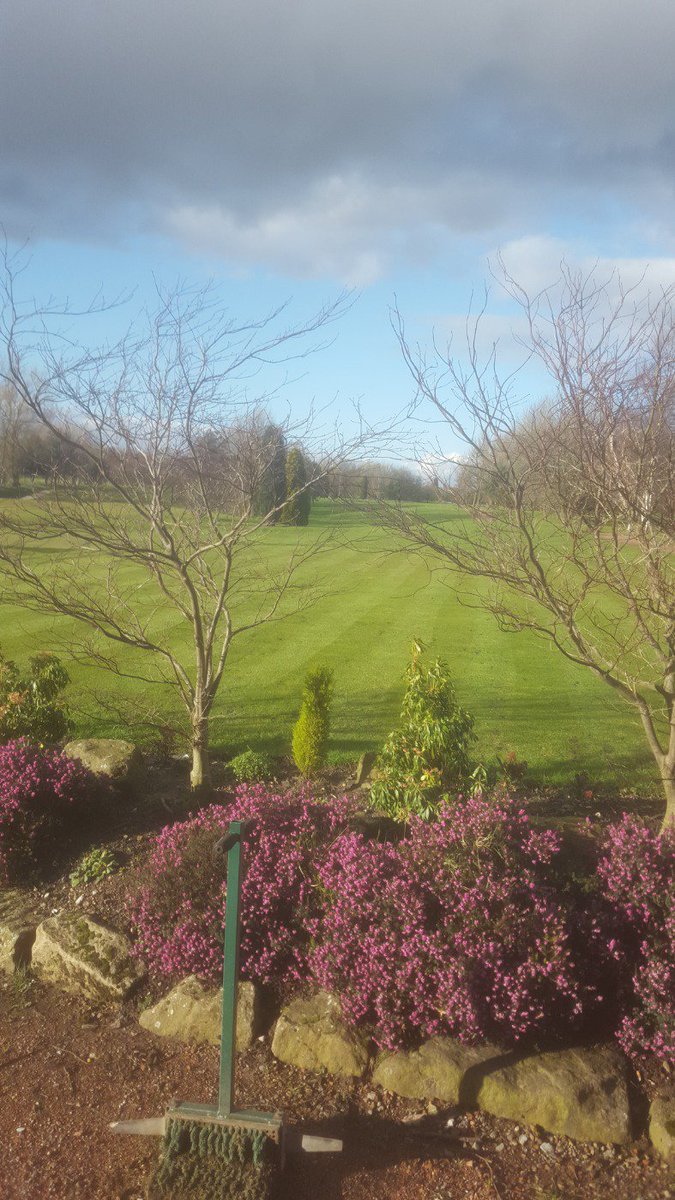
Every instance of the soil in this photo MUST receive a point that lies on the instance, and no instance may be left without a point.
(67, 1070)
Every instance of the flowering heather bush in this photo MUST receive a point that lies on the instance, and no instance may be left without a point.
(41, 791)
(463, 928)
(454, 931)
(178, 913)
(637, 872)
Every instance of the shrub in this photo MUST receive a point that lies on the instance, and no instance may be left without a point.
(455, 931)
(299, 497)
(31, 704)
(97, 864)
(178, 911)
(41, 793)
(637, 874)
(312, 728)
(251, 767)
(429, 753)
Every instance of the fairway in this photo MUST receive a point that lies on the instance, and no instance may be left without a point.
(525, 697)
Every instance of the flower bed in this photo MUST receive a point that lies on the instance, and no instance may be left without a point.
(461, 928)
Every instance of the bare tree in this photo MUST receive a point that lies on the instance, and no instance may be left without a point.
(149, 520)
(567, 510)
(13, 421)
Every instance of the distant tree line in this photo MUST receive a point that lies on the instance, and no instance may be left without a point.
(375, 481)
(252, 464)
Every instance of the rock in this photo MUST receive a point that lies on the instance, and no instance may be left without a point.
(364, 767)
(192, 1013)
(84, 957)
(112, 758)
(376, 827)
(311, 1034)
(439, 1070)
(581, 1093)
(662, 1125)
(17, 930)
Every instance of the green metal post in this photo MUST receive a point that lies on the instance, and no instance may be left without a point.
(230, 968)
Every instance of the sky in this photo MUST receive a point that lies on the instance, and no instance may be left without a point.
(290, 150)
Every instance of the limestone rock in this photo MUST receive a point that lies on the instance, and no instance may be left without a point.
(662, 1125)
(82, 956)
(192, 1013)
(442, 1069)
(112, 758)
(581, 1093)
(17, 930)
(311, 1034)
(364, 767)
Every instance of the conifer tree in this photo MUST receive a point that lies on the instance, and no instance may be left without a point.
(299, 501)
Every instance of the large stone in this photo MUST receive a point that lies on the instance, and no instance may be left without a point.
(364, 767)
(662, 1125)
(82, 956)
(111, 758)
(441, 1069)
(581, 1093)
(311, 1034)
(192, 1013)
(18, 923)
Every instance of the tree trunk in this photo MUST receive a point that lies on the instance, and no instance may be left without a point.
(669, 789)
(200, 775)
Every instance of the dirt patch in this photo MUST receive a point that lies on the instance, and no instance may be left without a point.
(67, 1070)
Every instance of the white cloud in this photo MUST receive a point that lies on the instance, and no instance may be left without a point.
(535, 262)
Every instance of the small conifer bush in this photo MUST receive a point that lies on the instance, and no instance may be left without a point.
(251, 766)
(312, 728)
(428, 754)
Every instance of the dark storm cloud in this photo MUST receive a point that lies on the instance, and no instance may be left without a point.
(327, 137)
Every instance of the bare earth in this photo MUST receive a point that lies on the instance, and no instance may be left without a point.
(67, 1071)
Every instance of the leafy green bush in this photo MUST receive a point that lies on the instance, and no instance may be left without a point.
(429, 753)
(31, 704)
(97, 864)
(251, 766)
(312, 728)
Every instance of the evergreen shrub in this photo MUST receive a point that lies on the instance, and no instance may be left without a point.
(429, 754)
(312, 728)
(31, 704)
(251, 766)
(298, 495)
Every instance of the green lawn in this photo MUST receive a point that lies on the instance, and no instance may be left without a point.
(524, 696)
